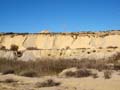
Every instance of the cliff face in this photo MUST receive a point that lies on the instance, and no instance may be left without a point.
(63, 44)
(61, 40)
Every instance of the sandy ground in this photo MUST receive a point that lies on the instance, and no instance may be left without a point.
(88, 83)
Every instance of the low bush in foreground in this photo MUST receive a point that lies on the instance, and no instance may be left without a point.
(8, 71)
(10, 80)
(78, 73)
(70, 74)
(107, 74)
(28, 73)
(95, 75)
(83, 73)
(47, 83)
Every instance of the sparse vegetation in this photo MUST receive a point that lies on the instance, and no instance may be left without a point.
(67, 47)
(117, 66)
(88, 52)
(10, 80)
(49, 54)
(32, 48)
(47, 83)
(95, 75)
(100, 48)
(60, 53)
(82, 73)
(108, 50)
(53, 67)
(112, 47)
(94, 51)
(14, 47)
(28, 73)
(12, 35)
(19, 53)
(70, 74)
(45, 67)
(8, 71)
(75, 72)
(2, 48)
(107, 74)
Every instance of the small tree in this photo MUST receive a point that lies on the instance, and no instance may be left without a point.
(14, 47)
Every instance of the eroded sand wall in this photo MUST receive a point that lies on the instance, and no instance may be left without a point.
(63, 44)
(59, 41)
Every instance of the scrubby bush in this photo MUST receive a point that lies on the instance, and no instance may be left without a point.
(83, 73)
(14, 47)
(19, 53)
(8, 71)
(94, 50)
(114, 58)
(95, 75)
(112, 47)
(74, 72)
(70, 74)
(28, 73)
(107, 74)
(47, 83)
(2, 48)
(67, 47)
(88, 52)
(117, 66)
(10, 80)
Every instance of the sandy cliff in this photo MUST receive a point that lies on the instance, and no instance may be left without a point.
(63, 44)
